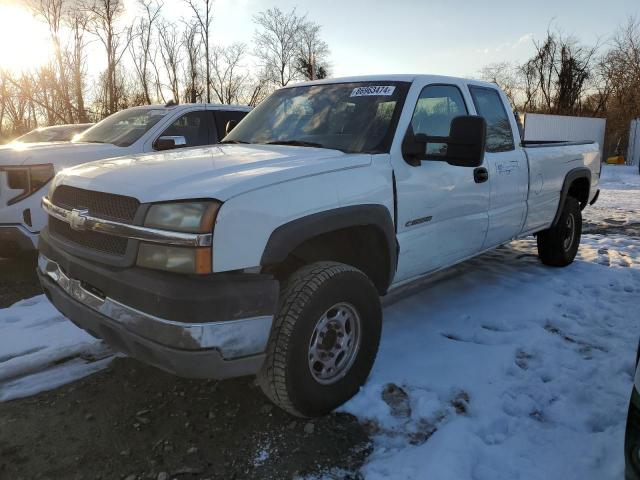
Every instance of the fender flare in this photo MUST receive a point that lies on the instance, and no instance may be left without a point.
(572, 175)
(287, 237)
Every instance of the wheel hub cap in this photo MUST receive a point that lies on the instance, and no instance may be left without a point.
(334, 343)
(569, 232)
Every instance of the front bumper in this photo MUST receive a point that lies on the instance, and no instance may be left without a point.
(16, 239)
(216, 349)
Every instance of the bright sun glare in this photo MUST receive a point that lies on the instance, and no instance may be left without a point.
(24, 42)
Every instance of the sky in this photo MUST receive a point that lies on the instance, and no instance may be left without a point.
(452, 37)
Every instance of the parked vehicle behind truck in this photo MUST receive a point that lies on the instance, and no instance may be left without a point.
(26, 169)
(632, 431)
(56, 133)
(267, 255)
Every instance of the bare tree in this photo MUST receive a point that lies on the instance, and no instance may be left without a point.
(259, 86)
(277, 43)
(192, 74)
(77, 21)
(507, 76)
(53, 13)
(228, 77)
(529, 87)
(620, 69)
(3, 99)
(171, 56)
(313, 53)
(563, 67)
(104, 16)
(140, 45)
(203, 13)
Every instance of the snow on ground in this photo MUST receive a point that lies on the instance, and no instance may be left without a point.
(619, 202)
(500, 368)
(504, 369)
(40, 349)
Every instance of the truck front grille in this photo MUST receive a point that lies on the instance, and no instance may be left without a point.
(109, 206)
(103, 205)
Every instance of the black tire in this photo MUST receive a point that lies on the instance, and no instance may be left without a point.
(558, 245)
(307, 296)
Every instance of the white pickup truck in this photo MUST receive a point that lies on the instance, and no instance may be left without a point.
(267, 255)
(26, 168)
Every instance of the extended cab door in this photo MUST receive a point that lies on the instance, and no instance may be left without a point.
(441, 209)
(506, 164)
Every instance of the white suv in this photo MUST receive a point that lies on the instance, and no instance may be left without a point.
(26, 169)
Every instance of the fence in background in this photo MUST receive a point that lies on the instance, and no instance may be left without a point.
(633, 152)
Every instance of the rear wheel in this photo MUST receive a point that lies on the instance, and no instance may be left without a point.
(324, 339)
(558, 245)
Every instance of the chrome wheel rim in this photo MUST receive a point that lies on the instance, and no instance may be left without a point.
(569, 232)
(334, 343)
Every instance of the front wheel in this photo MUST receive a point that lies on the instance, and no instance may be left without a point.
(324, 339)
(558, 245)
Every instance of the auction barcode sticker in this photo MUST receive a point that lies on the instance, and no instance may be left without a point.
(384, 90)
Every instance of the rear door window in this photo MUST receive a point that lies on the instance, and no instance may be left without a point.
(222, 117)
(489, 105)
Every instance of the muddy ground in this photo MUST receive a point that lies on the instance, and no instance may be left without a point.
(132, 421)
(18, 280)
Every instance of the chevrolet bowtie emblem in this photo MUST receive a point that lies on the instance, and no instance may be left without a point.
(76, 218)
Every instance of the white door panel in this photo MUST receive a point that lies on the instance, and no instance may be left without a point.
(442, 216)
(508, 175)
(442, 211)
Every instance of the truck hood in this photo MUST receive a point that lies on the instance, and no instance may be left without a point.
(221, 171)
(62, 155)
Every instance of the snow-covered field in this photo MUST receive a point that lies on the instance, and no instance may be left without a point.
(506, 369)
(500, 368)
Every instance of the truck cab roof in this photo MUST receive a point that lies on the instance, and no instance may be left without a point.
(205, 106)
(404, 77)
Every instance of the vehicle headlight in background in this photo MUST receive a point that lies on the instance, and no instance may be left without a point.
(185, 217)
(27, 179)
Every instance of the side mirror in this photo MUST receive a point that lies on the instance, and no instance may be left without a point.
(464, 147)
(170, 142)
(231, 124)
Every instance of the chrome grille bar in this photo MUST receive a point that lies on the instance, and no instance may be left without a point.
(81, 220)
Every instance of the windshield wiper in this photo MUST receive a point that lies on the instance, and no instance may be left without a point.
(233, 141)
(296, 143)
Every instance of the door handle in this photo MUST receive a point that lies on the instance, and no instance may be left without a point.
(480, 175)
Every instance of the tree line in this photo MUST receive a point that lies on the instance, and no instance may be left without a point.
(566, 77)
(153, 60)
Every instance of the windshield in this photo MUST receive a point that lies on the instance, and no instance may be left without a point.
(123, 128)
(53, 134)
(352, 117)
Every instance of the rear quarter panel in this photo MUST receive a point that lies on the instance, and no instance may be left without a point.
(548, 167)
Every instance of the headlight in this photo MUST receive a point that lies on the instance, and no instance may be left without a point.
(185, 217)
(27, 179)
(188, 217)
